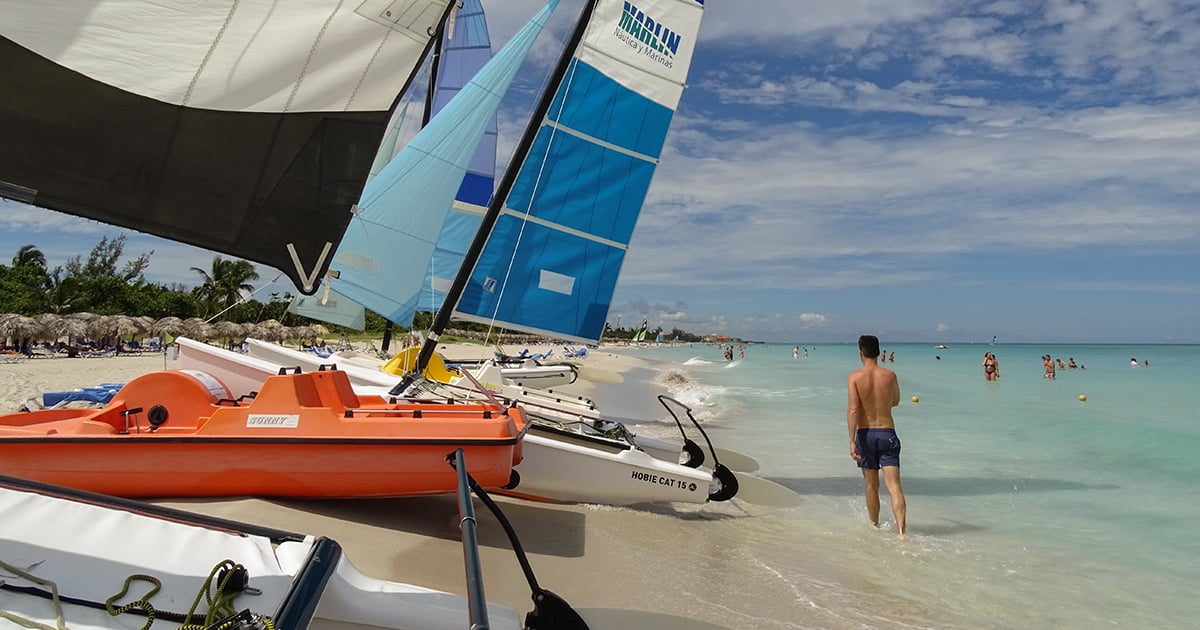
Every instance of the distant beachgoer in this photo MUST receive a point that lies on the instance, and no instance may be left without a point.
(741, 352)
(1133, 362)
(1048, 364)
(891, 357)
(1147, 363)
(795, 352)
(872, 391)
(806, 353)
(991, 367)
(938, 357)
(1071, 363)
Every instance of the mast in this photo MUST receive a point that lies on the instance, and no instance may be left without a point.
(442, 319)
(427, 113)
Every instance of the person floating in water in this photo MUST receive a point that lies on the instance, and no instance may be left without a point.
(872, 392)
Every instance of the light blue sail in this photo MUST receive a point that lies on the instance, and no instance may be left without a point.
(552, 261)
(383, 258)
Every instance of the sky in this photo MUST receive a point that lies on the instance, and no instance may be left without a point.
(923, 170)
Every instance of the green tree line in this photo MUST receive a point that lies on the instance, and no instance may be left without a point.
(106, 283)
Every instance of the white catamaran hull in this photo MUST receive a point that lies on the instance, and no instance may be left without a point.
(529, 373)
(558, 464)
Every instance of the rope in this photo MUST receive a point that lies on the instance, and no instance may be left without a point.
(29, 623)
(141, 604)
(225, 582)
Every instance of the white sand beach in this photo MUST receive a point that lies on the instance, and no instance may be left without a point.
(593, 556)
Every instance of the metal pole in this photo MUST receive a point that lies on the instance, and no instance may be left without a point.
(476, 602)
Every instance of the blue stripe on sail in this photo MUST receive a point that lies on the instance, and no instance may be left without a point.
(476, 190)
(611, 112)
(592, 269)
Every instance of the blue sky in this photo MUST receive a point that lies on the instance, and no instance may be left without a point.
(921, 170)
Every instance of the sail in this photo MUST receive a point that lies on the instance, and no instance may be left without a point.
(402, 211)
(332, 308)
(464, 50)
(247, 128)
(552, 259)
(462, 57)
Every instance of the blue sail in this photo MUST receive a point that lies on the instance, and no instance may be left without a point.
(462, 56)
(465, 49)
(552, 260)
(382, 260)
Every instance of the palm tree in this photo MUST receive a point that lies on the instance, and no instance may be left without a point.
(29, 256)
(224, 284)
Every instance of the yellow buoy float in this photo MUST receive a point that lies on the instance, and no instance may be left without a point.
(915, 399)
(1082, 398)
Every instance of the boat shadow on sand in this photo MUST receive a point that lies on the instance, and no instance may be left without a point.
(852, 485)
(559, 532)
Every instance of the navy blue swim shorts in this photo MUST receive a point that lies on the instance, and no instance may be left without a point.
(877, 448)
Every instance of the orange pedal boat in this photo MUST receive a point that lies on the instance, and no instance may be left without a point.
(177, 433)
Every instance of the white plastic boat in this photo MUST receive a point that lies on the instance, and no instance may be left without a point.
(67, 552)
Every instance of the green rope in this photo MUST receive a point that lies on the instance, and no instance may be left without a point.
(29, 623)
(142, 603)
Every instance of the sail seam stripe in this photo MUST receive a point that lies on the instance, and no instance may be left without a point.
(187, 96)
(558, 227)
(600, 143)
(308, 60)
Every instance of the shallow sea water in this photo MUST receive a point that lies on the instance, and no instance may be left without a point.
(1027, 507)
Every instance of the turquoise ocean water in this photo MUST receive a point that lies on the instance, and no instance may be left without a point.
(1027, 508)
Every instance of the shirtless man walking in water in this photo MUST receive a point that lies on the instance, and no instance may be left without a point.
(873, 391)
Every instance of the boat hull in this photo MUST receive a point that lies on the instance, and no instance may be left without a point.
(562, 465)
(303, 435)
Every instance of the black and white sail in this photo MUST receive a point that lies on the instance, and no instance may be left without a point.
(246, 127)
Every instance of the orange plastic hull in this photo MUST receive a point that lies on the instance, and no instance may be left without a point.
(304, 435)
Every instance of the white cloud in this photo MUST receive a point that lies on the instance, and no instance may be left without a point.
(812, 320)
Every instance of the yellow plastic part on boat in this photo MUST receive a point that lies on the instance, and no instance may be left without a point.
(405, 362)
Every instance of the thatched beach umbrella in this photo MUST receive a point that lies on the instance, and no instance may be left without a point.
(169, 325)
(123, 326)
(270, 330)
(51, 324)
(229, 331)
(19, 327)
(197, 329)
(72, 328)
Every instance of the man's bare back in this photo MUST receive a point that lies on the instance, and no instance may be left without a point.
(873, 392)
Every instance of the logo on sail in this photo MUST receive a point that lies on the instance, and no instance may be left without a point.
(648, 36)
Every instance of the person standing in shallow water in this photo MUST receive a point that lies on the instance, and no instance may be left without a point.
(872, 392)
